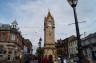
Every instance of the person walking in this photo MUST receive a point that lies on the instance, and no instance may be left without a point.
(45, 60)
(88, 60)
(50, 59)
(26, 59)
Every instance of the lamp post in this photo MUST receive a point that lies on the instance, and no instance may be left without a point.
(40, 42)
(40, 49)
(73, 4)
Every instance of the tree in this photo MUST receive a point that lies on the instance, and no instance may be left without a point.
(39, 51)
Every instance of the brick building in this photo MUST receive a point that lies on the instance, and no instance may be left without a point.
(62, 48)
(72, 48)
(11, 42)
(67, 47)
(27, 46)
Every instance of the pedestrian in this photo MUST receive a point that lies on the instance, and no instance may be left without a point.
(45, 60)
(88, 60)
(27, 59)
(62, 60)
(50, 59)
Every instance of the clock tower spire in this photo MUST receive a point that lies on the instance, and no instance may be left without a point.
(49, 37)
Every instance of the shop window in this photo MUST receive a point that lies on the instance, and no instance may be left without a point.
(4, 37)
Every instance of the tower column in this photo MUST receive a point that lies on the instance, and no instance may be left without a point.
(49, 37)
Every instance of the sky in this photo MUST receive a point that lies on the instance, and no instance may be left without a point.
(30, 17)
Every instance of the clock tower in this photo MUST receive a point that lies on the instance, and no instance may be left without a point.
(49, 37)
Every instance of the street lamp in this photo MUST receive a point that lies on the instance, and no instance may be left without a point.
(73, 4)
(40, 49)
(40, 42)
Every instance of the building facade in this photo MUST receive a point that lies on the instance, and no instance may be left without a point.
(67, 48)
(62, 48)
(49, 37)
(89, 46)
(11, 42)
(27, 46)
(72, 48)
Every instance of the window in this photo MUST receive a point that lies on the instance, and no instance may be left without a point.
(93, 40)
(10, 52)
(12, 36)
(0, 35)
(1, 51)
(4, 37)
(8, 57)
(87, 42)
(1, 55)
(82, 43)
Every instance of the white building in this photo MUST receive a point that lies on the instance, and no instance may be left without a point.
(89, 46)
(72, 48)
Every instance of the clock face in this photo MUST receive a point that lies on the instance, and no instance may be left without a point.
(49, 25)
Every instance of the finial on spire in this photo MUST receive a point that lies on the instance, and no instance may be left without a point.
(49, 13)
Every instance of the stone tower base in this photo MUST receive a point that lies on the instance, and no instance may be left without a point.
(50, 52)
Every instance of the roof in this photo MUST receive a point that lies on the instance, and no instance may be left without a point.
(90, 36)
(66, 40)
(71, 38)
(14, 22)
(5, 26)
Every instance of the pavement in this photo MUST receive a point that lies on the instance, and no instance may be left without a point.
(34, 61)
